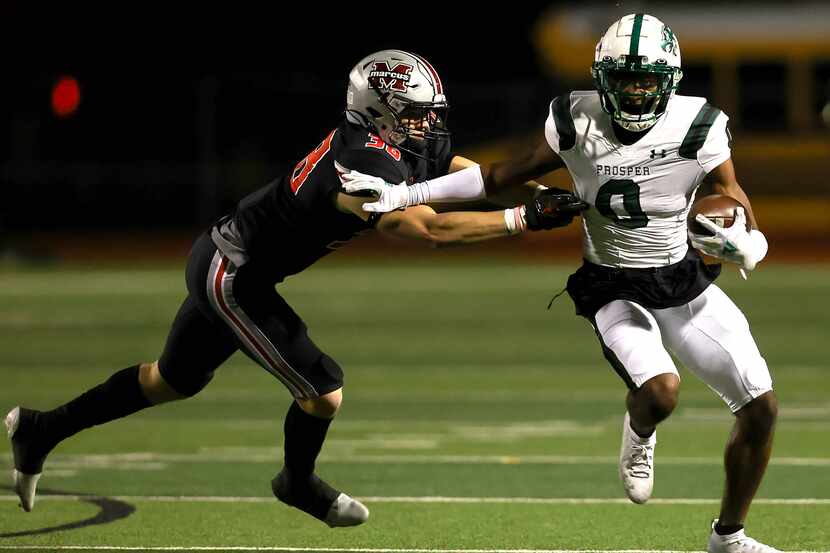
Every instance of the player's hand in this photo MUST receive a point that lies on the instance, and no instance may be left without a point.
(733, 244)
(552, 208)
(389, 197)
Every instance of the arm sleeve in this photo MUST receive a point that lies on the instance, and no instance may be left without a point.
(467, 184)
(716, 149)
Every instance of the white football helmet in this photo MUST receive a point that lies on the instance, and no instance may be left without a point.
(636, 70)
(398, 96)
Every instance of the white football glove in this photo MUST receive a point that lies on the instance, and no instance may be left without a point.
(733, 244)
(389, 196)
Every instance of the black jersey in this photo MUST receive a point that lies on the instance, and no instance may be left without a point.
(292, 222)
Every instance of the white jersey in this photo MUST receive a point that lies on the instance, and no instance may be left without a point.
(639, 194)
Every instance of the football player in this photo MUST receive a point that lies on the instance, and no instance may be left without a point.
(394, 128)
(637, 152)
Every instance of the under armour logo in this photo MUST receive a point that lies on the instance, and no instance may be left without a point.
(655, 153)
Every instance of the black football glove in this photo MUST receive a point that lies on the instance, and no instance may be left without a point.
(552, 208)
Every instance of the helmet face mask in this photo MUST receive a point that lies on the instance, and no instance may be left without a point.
(417, 123)
(399, 96)
(636, 70)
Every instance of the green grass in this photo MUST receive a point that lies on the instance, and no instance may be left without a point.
(459, 383)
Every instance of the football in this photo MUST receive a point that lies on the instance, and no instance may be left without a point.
(718, 208)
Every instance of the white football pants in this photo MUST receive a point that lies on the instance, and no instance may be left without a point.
(709, 335)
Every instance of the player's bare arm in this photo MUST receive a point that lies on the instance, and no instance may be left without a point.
(723, 181)
(514, 172)
(461, 227)
(511, 182)
(422, 223)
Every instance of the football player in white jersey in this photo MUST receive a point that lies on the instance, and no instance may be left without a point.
(637, 153)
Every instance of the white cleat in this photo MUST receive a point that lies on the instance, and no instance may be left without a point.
(637, 463)
(738, 542)
(346, 511)
(25, 485)
(12, 421)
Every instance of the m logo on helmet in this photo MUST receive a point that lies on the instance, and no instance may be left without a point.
(382, 77)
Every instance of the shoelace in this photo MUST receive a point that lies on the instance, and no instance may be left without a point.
(641, 457)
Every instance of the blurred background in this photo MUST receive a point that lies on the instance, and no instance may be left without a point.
(127, 127)
(126, 130)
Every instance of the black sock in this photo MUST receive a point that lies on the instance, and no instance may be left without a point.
(726, 530)
(304, 436)
(115, 398)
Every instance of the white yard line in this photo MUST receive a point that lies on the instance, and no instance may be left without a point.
(549, 460)
(426, 499)
(332, 549)
(271, 454)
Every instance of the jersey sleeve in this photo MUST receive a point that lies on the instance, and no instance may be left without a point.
(375, 163)
(716, 149)
(560, 131)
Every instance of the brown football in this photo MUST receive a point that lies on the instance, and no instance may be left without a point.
(718, 208)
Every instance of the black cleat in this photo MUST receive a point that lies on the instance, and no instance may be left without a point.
(28, 454)
(320, 500)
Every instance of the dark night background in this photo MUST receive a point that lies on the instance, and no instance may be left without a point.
(184, 110)
(248, 92)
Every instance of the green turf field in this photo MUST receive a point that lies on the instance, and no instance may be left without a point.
(474, 418)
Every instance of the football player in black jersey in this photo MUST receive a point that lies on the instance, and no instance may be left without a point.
(394, 129)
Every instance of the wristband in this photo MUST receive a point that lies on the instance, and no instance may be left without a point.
(514, 220)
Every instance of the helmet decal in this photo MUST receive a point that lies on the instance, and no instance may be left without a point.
(396, 78)
(669, 41)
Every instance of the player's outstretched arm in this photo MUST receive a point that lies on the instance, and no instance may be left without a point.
(552, 208)
(470, 183)
(506, 195)
(422, 223)
(515, 177)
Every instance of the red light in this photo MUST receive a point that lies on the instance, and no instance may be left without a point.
(66, 95)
